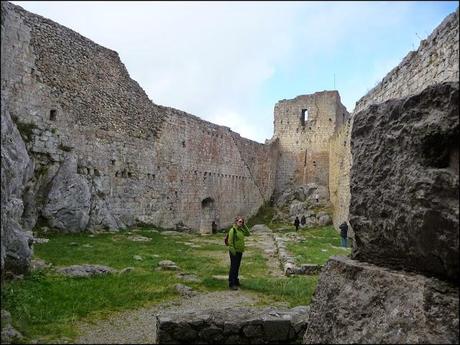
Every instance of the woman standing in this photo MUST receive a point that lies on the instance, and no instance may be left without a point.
(236, 248)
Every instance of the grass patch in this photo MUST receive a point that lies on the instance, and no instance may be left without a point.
(295, 290)
(263, 216)
(319, 245)
(46, 306)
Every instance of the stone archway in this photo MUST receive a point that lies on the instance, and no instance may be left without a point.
(208, 216)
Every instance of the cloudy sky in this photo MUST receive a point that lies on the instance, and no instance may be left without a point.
(230, 62)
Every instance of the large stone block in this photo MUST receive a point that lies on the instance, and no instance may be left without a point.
(357, 302)
(404, 183)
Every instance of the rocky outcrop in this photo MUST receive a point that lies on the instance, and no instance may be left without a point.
(361, 303)
(301, 201)
(17, 169)
(69, 199)
(404, 183)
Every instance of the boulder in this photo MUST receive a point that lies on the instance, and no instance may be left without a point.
(16, 170)
(404, 207)
(101, 215)
(167, 265)
(85, 270)
(324, 219)
(361, 303)
(68, 202)
(297, 208)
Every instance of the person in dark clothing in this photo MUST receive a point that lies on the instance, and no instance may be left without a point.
(296, 223)
(303, 221)
(344, 234)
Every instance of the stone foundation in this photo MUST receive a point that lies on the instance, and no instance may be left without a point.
(233, 326)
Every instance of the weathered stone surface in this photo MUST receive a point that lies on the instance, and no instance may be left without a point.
(324, 219)
(16, 170)
(69, 199)
(168, 265)
(405, 180)
(9, 335)
(184, 290)
(101, 213)
(233, 326)
(85, 270)
(356, 302)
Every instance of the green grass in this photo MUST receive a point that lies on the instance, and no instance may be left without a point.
(263, 216)
(46, 305)
(319, 245)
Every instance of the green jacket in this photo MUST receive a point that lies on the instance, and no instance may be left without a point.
(236, 238)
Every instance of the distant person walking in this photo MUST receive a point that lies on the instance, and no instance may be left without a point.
(236, 236)
(344, 234)
(303, 221)
(296, 223)
(317, 198)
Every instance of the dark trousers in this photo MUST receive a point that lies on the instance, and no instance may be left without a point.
(235, 262)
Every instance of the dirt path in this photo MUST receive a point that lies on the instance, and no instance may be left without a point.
(137, 326)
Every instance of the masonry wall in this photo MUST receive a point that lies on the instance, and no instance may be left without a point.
(141, 162)
(304, 139)
(340, 161)
(435, 61)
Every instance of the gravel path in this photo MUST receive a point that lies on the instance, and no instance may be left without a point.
(136, 327)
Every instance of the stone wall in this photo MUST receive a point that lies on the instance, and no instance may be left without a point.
(340, 162)
(232, 326)
(435, 61)
(303, 127)
(108, 154)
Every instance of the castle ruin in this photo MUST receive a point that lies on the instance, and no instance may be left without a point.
(84, 148)
(102, 155)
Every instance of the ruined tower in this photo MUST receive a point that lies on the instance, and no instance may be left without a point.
(304, 126)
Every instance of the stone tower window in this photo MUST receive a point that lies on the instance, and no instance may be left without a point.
(303, 117)
(53, 114)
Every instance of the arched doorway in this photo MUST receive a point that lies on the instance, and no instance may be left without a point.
(208, 216)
